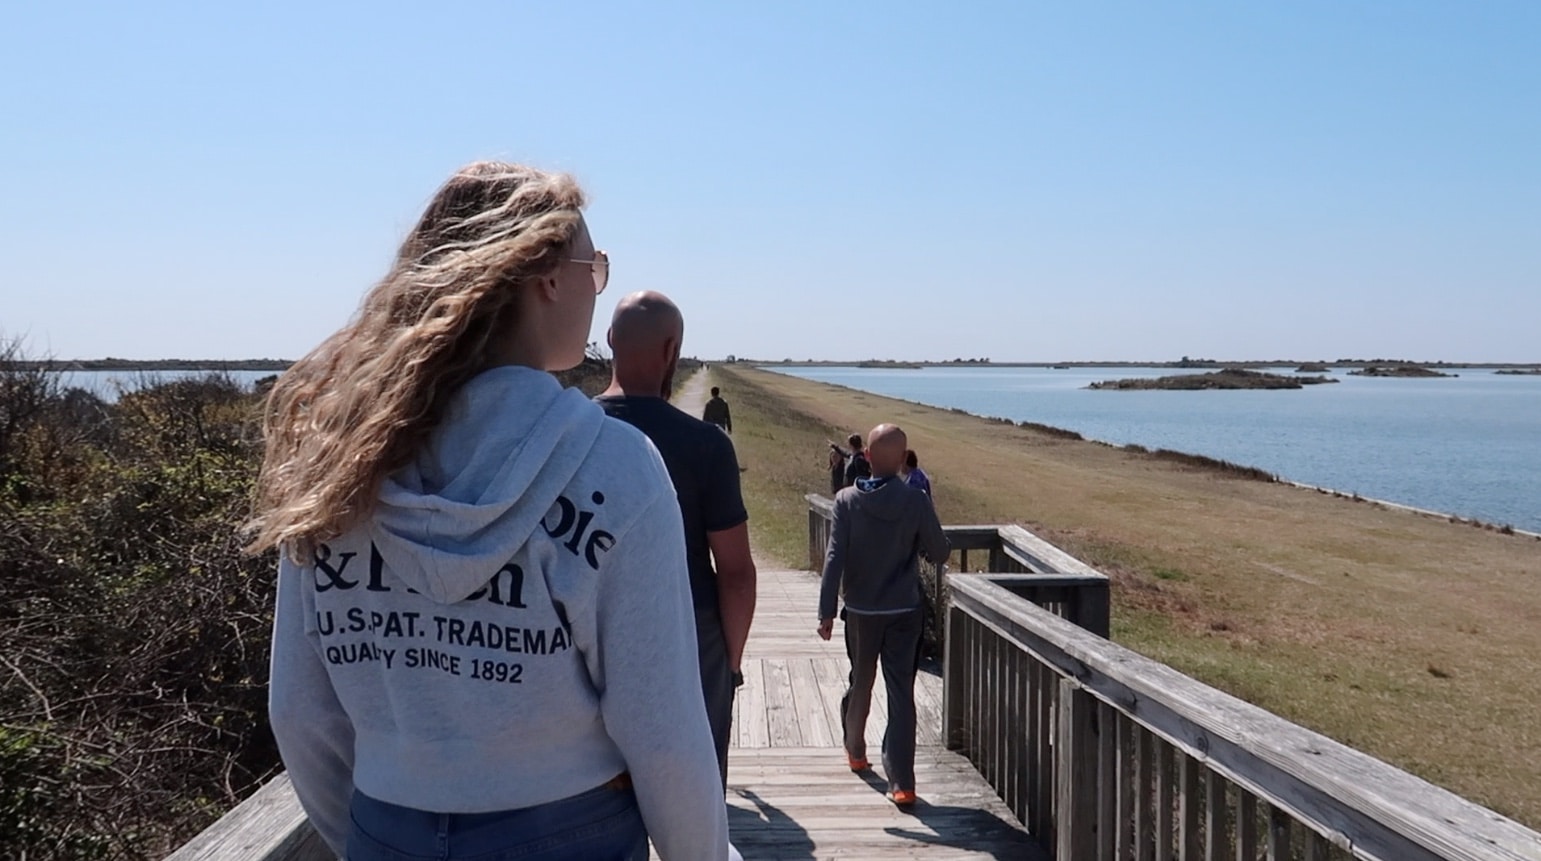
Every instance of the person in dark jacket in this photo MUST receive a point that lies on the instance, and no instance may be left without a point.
(857, 465)
(845, 466)
(881, 528)
(716, 411)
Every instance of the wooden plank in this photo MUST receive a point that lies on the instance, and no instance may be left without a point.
(780, 710)
(819, 547)
(972, 537)
(1124, 779)
(1016, 783)
(802, 803)
(1246, 826)
(1092, 609)
(955, 680)
(1039, 555)
(974, 674)
(808, 703)
(269, 825)
(990, 744)
(1144, 759)
(1075, 772)
(1048, 712)
(754, 728)
(1317, 848)
(1107, 777)
(1191, 803)
(1215, 838)
(1166, 783)
(928, 708)
(1279, 825)
(1038, 730)
(832, 677)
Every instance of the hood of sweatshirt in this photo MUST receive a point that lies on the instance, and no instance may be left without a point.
(509, 444)
(883, 498)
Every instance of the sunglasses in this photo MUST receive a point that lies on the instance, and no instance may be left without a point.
(600, 266)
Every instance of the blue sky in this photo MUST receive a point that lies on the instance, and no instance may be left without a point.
(1018, 180)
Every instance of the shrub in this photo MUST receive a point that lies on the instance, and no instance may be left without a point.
(133, 633)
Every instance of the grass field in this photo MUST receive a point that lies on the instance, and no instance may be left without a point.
(1412, 638)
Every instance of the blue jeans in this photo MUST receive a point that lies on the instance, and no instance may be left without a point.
(602, 824)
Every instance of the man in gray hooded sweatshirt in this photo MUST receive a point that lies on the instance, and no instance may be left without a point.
(881, 528)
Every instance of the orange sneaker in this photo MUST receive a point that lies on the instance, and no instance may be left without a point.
(902, 797)
(857, 764)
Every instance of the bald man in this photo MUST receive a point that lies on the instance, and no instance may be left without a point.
(645, 336)
(881, 528)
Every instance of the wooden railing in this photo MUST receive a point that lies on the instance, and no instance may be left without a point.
(268, 826)
(1105, 754)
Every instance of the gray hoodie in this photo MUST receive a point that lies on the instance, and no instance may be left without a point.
(873, 548)
(512, 626)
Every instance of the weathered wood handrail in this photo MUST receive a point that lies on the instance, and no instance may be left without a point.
(1046, 575)
(1106, 754)
(268, 826)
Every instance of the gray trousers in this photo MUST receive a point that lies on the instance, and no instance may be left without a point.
(716, 682)
(894, 638)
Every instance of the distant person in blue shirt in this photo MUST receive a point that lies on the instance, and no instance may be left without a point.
(914, 476)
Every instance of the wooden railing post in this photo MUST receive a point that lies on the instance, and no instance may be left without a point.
(938, 605)
(954, 680)
(820, 511)
(997, 557)
(1092, 608)
(815, 552)
(1075, 772)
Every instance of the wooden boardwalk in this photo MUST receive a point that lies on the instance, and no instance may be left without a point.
(790, 794)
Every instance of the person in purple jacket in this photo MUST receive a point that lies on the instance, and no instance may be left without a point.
(914, 476)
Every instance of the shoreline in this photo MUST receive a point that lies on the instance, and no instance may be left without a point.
(1205, 461)
(99, 365)
(1199, 364)
(279, 365)
(1413, 509)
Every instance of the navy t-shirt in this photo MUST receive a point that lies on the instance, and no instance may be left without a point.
(704, 469)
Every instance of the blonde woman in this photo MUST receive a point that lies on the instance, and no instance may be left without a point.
(483, 636)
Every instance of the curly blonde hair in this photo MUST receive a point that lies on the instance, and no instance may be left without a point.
(357, 407)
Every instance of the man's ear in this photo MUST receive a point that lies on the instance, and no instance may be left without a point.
(610, 339)
(671, 350)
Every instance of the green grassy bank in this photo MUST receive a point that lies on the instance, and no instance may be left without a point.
(1408, 637)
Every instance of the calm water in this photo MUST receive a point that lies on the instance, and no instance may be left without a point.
(108, 385)
(1469, 445)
